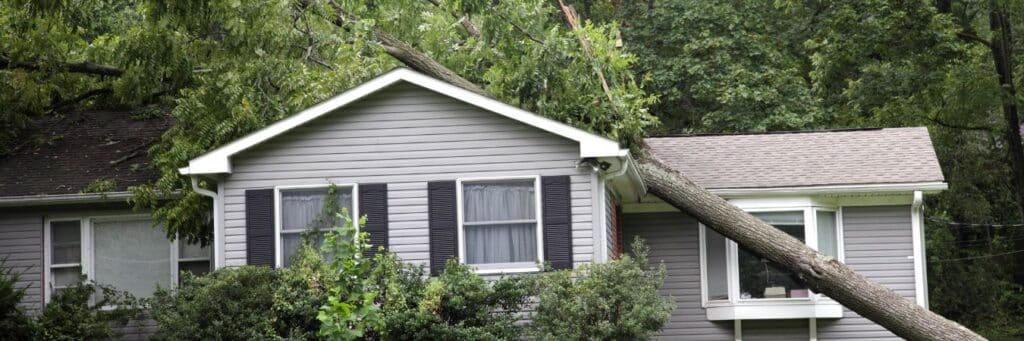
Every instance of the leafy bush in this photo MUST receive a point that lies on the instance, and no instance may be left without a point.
(85, 311)
(14, 322)
(617, 300)
(458, 304)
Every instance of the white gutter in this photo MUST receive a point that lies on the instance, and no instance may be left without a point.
(217, 243)
(917, 232)
(925, 187)
(59, 199)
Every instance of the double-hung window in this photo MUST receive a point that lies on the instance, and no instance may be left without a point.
(302, 209)
(733, 274)
(500, 224)
(126, 252)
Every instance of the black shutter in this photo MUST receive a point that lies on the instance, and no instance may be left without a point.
(373, 203)
(259, 227)
(557, 210)
(442, 222)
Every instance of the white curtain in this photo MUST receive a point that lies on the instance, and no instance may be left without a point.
(299, 208)
(827, 236)
(485, 207)
(299, 211)
(131, 256)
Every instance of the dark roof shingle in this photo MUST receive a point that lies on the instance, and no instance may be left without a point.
(76, 149)
(852, 157)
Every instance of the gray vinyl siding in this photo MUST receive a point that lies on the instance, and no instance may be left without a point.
(878, 243)
(406, 136)
(21, 242)
(776, 330)
(673, 239)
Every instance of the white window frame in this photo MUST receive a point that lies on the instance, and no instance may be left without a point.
(87, 261)
(279, 257)
(501, 268)
(732, 259)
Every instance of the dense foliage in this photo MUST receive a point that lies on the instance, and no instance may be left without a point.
(618, 300)
(85, 311)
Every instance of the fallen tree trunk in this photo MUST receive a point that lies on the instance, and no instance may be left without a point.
(823, 274)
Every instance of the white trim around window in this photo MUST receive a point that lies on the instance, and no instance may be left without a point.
(813, 306)
(501, 268)
(279, 256)
(87, 263)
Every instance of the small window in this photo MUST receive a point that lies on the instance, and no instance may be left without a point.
(302, 210)
(762, 278)
(193, 258)
(499, 223)
(65, 253)
(828, 236)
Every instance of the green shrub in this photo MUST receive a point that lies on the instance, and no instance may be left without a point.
(617, 300)
(458, 304)
(86, 311)
(14, 322)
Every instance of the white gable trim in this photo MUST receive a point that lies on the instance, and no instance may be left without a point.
(219, 160)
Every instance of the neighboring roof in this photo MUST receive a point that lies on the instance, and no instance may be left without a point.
(803, 159)
(67, 153)
(219, 160)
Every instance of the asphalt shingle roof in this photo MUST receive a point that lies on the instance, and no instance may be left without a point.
(851, 157)
(64, 154)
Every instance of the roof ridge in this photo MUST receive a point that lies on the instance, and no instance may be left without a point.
(781, 132)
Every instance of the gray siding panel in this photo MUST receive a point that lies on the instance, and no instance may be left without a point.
(673, 240)
(406, 136)
(776, 330)
(21, 242)
(878, 243)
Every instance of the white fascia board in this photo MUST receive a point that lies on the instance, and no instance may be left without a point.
(218, 160)
(926, 187)
(56, 199)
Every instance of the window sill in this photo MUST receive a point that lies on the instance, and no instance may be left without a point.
(774, 310)
(501, 269)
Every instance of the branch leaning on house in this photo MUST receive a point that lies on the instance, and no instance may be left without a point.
(824, 274)
(82, 67)
(408, 55)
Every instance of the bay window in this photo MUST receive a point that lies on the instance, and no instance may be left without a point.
(126, 252)
(733, 276)
(499, 224)
(301, 209)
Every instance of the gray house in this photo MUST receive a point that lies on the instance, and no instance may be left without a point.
(441, 172)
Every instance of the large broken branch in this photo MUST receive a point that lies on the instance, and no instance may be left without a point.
(82, 67)
(464, 20)
(822, 273)
(408, 55)
(574, 23)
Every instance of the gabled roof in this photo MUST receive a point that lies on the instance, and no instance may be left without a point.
(873, 157)
(219, 160)
(69, 152)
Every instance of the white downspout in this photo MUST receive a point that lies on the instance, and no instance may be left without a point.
(217, 243)
(917, 231)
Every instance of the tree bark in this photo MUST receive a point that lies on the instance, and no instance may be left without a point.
(464, 20)
(822, 273)
(1001, 46)
(410, 56)
(83, 67)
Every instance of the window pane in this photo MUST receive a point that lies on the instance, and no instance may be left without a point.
(186, 250)
(503, 201)
(301, 208)
(828, 240)
(762, 278)
(132, 256)
(290, 243)
(717, 279)
(194, 267)
(505, 243)
(65, 241)
(63, 277)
